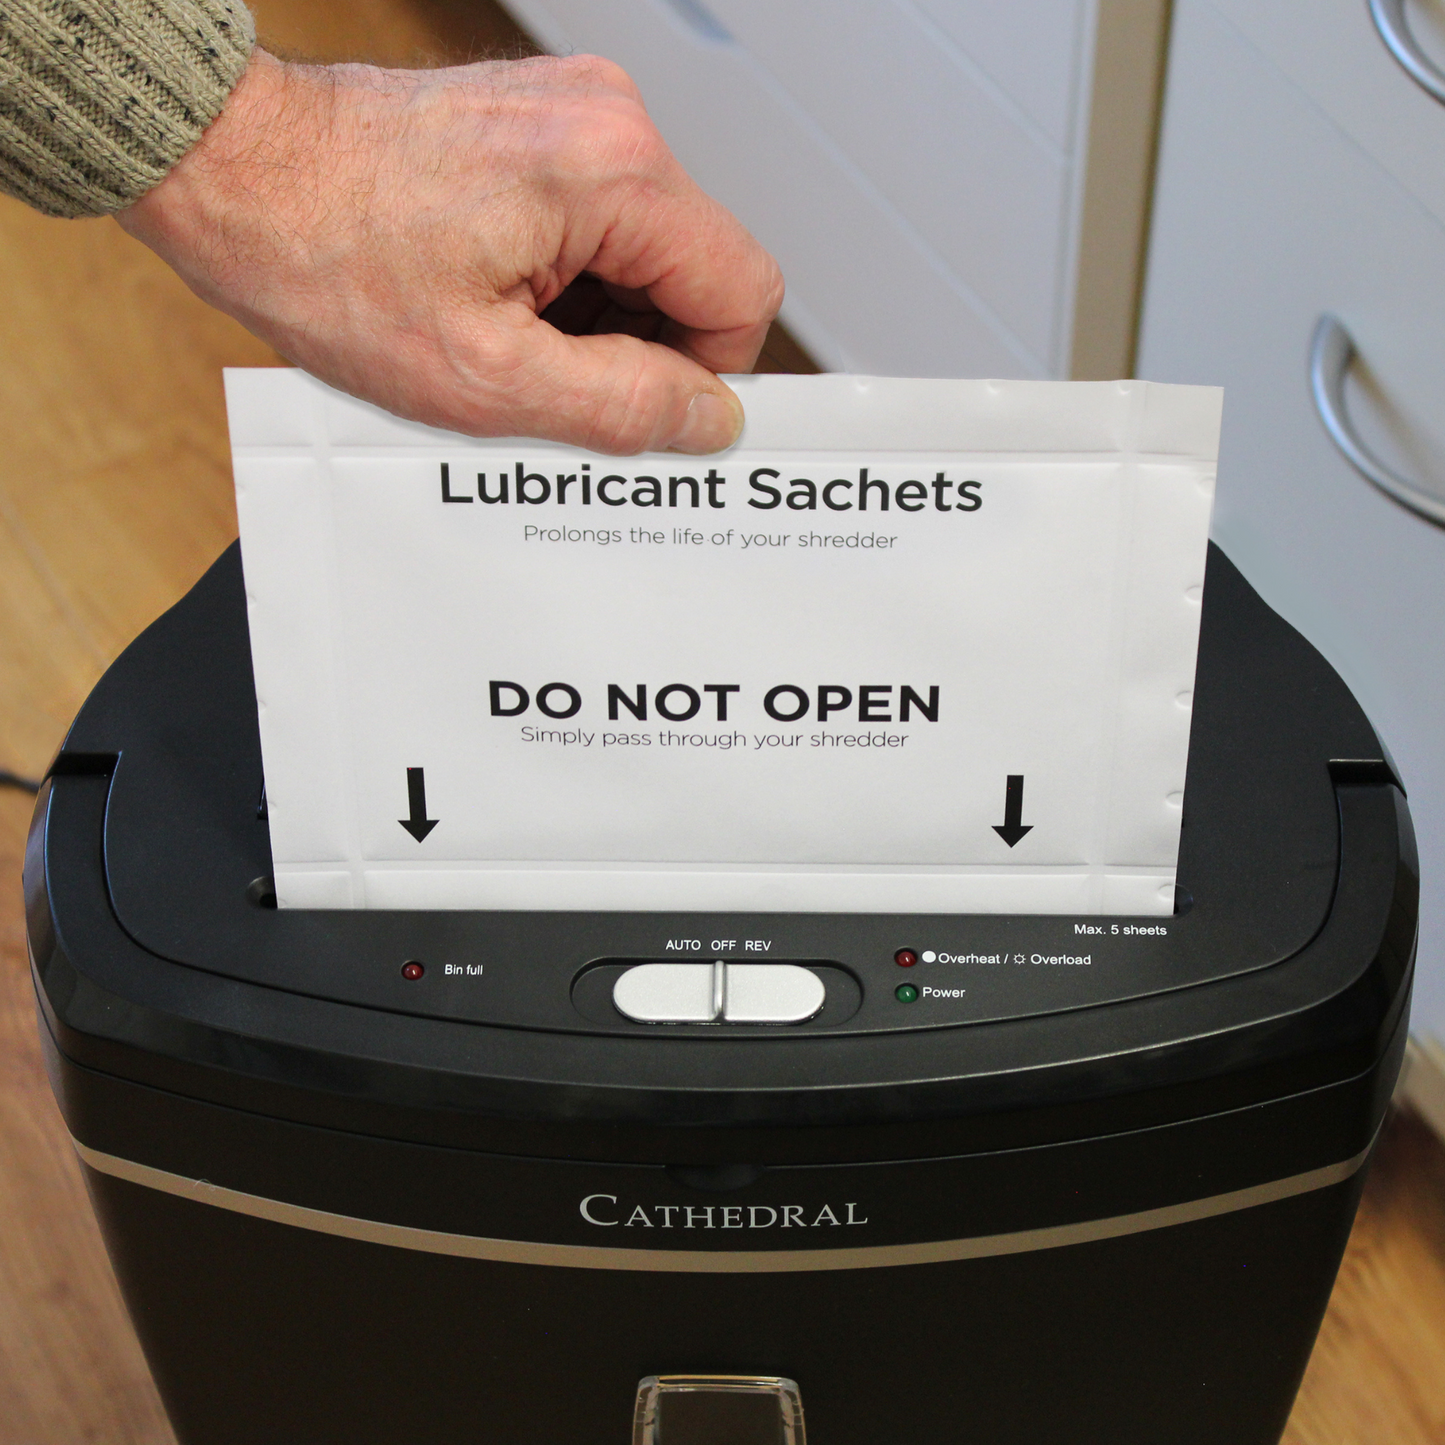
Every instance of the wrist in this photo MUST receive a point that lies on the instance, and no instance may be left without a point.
(250, 153)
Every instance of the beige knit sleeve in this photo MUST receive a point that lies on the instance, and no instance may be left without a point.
(100, 98)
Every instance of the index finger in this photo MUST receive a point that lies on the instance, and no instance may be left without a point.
(696, 263)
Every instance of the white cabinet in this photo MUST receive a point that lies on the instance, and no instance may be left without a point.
(964, 174)
(1299, 174)
(947, 189)
(1029, 48)
(1333, 54)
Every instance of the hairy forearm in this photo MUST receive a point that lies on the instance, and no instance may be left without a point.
(258, 161)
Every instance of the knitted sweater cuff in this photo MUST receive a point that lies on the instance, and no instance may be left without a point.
(100, 98)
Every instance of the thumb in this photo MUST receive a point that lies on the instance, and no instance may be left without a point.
(615, 393)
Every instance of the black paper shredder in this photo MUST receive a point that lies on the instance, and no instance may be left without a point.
(371, 1177)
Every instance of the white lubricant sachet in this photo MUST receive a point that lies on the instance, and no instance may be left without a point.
(910, 646)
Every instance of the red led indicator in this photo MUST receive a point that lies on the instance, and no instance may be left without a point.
(905, 958)
(412, 969)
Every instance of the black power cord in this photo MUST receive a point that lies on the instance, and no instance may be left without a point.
(14, 780)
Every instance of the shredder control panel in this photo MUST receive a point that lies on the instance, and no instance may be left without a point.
(163, 770)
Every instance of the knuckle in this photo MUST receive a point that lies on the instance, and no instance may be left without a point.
(614, 77)
(603, 118)
(634, 139)
(597, 72)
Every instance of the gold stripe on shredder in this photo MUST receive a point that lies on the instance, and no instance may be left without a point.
(697, 1261)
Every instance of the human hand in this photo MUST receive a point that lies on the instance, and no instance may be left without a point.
(502, 249)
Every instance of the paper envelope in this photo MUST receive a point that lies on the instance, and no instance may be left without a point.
(909, 646)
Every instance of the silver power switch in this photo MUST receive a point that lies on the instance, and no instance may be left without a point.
(718, 992)
(771, 993)
(671, 993)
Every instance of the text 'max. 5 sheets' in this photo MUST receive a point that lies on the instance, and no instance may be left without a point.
(909, 646)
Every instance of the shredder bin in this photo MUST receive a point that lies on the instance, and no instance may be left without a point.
(1092, 1185)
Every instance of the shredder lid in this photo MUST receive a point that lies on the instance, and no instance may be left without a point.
(185, 841)
(1296, 874)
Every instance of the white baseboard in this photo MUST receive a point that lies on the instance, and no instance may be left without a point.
(1422, 1080)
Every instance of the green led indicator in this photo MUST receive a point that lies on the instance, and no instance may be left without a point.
(905, 993)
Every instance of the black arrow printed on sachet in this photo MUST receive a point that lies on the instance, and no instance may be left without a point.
(1013, 827)
(418, 825)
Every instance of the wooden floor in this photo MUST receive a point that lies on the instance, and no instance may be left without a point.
(114, 496)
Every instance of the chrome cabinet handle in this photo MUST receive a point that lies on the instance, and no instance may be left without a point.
(1331, 352)
(1394, 27)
